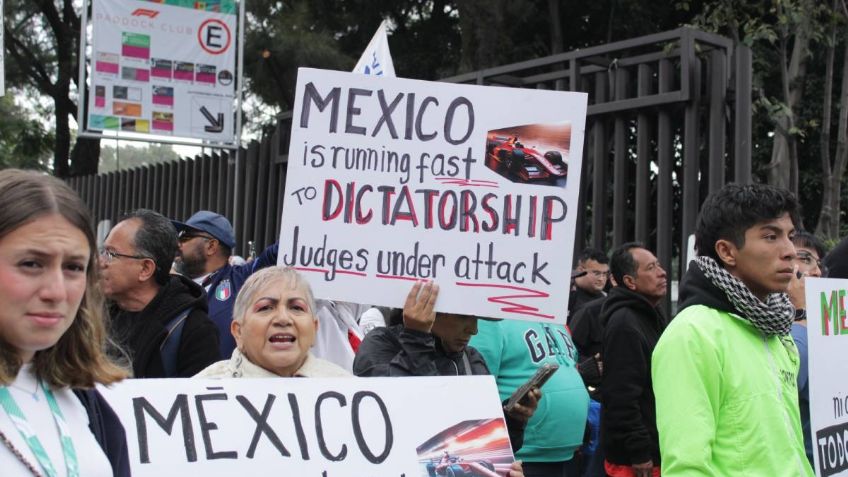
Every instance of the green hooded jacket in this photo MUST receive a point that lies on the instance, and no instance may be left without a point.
(726, 394)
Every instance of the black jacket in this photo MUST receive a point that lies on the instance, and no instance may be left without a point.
(587, 330)
(107, 430)
(397, 351)
(141, 333)
(577, 299)
(628, 414)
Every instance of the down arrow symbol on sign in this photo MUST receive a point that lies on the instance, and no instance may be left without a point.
(215, 125)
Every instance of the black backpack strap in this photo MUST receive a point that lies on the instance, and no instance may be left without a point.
(171, 344)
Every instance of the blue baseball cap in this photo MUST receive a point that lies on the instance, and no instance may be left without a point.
(213, 224)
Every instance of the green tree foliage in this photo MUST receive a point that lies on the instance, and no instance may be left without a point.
(794, 43)
(41, 42)
(24, 142)
(432, 39)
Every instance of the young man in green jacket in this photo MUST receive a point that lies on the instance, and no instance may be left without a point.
(724, 371)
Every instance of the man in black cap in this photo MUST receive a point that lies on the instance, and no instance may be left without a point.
(206, 243)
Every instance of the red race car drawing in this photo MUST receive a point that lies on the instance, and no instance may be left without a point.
(515, 161)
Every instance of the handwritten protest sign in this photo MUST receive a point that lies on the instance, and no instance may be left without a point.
(827, 335)
(394, 180)
(312, 427)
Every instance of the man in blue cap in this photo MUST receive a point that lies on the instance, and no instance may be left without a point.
(206, 243)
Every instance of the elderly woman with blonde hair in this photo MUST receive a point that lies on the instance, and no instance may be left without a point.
(274, 324)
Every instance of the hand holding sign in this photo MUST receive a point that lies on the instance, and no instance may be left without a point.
(516, 469)
(419, 311)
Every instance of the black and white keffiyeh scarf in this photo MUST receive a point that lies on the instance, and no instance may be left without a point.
(774, 317)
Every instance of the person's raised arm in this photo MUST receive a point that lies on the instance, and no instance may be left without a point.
(411, 352)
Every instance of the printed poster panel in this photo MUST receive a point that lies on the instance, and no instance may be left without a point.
(164, 67)
(827, 336)
(393, 180)
(314, 427)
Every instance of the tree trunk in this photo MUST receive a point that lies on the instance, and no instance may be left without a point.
(783, 167)
(556, 27)
(85, 156)
(841, 159)
(481, 23)
(825, 227)
(61, 167)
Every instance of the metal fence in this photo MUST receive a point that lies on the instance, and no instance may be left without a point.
(669, 120)
(248, 189)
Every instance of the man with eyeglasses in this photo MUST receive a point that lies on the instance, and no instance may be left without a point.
(808, 252)
(206, 242)
(159, 319)
(590, 285)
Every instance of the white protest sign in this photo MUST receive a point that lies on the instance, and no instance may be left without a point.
(827, 336)
(164, 68)
(393, 180)
(380, 427)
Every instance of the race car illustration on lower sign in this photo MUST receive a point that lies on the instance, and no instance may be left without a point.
(452, 466)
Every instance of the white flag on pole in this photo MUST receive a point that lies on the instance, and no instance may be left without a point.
(376, 60)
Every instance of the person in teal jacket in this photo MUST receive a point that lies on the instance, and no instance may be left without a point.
(513, 351)
(724, 371)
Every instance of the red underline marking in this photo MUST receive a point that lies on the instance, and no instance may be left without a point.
(467, 182)
(358, 274)
(511, 306)
(338, 272)
(447, 178)
(305, 269)
(395, 277)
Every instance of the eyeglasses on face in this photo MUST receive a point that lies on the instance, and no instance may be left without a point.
(809, 260)
(109, 255)
(185, 236)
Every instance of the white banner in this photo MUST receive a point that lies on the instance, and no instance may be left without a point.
(393, 180)
(827, 335)
(164, 67)
(313, 427)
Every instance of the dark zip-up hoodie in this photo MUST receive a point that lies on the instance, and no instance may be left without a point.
(628, 415)
(142, 333)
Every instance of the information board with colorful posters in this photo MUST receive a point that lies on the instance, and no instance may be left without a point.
(394, 180)
(827, 342)
(165, 67)
(314, 427)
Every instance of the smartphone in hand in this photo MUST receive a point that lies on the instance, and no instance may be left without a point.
(536, 381)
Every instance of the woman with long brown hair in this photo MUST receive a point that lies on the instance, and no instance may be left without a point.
(52, 336)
